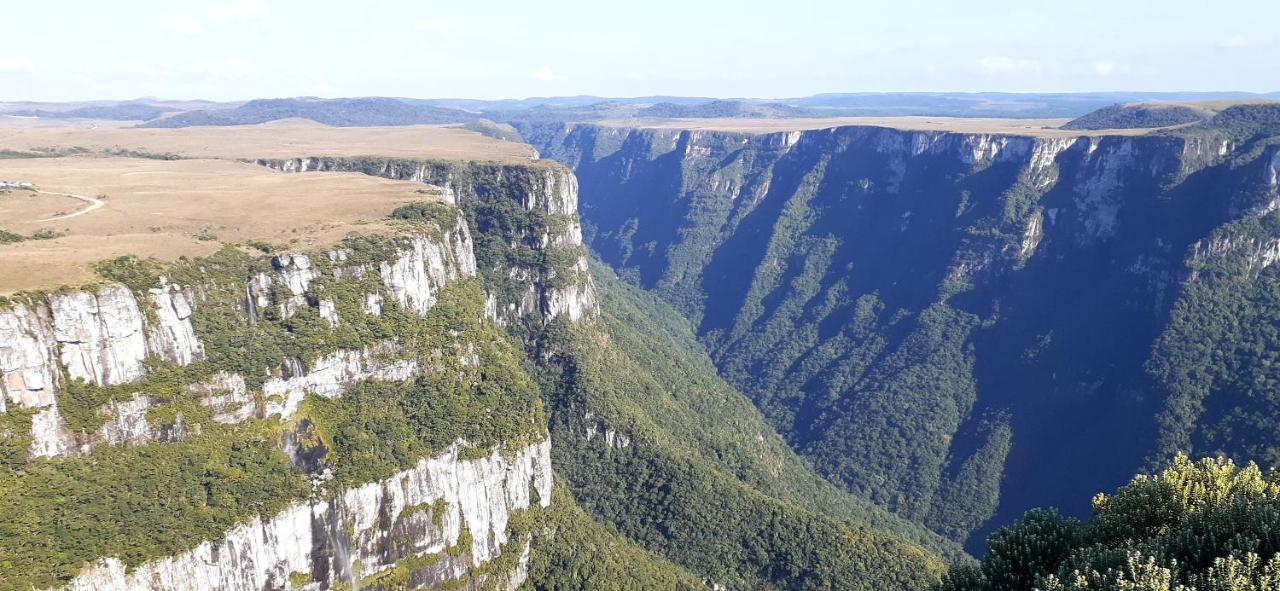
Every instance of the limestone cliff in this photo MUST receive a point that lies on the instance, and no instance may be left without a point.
(404, 530)
(533, 258)
(103, 337)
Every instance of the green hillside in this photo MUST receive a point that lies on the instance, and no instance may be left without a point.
(701, 479)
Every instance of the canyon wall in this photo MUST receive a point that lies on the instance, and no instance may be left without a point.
(552, 283)
(402, 531)
(943, 322)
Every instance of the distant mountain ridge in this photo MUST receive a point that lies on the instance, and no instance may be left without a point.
(346, 112)
(380, 111)
(716, 109)
(132, 111)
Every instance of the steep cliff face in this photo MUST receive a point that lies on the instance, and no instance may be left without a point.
(532, 255)
(280, 362)
(406, 530)
(98, 337)
(104, 337)
(943, 322)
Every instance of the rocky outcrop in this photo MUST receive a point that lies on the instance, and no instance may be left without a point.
(576, 299)
(414, 279)
(104, 336)
(49, 435)
(295, 274)
(227, 397)
(401, 528)
(127, 424)
(1240, 256)
(100, 335)
(28, 354)
(547, 192)
(330, 375)
(172, 338)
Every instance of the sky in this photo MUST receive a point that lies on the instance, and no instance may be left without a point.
(60, 50)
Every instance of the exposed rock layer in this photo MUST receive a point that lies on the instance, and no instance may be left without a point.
(546, 192)
(360, 533)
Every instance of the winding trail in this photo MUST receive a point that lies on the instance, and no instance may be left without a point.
(94, 203)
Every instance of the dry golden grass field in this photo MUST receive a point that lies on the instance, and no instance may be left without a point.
(167, 209)
(101, 207)
(277, 139)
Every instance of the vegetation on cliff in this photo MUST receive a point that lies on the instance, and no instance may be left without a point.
(1215, 362)
(147, 501)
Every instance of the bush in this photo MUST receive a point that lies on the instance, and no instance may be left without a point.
(1196, 526)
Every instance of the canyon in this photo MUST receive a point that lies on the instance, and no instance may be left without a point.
(616, 359)
(947, 321)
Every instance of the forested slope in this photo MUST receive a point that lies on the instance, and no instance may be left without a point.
(652, 442)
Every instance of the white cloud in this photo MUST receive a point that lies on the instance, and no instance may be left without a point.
(146, 67)
(238, 10)
(1003, 64)
(198, 22)
(545, 74)
(435, 25)
(182, 24)
(1108, 67)
(17, 64)
(635, 76)
(221, 67)
(1241, 42)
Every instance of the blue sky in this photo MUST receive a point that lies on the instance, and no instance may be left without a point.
(238, 49)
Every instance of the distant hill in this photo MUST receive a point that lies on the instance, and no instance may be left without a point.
(118, 112)
(715, 109)
(954, 104)
(586, 108)
(501, 131)
(1139, 116)
(346, 112)
(996, 104)
(548, 113)
(553, 101)
(387, 111)
(1245, 121)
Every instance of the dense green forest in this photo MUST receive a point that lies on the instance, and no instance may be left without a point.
(701, 479)
(1216, 361)
(1138, 116)
(574, 552)
(1210, 525)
